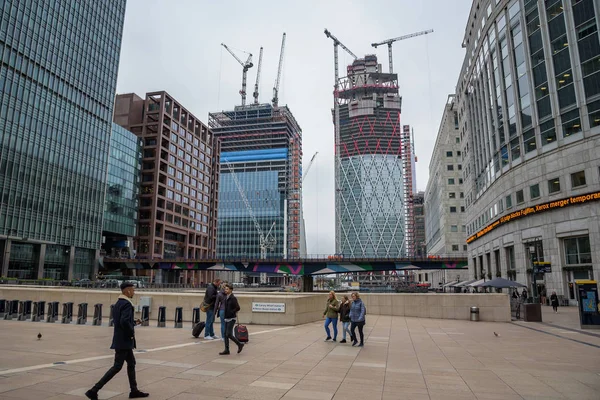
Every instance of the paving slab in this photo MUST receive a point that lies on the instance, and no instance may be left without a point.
(403, 357)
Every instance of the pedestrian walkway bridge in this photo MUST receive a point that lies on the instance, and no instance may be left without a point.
(308, 266)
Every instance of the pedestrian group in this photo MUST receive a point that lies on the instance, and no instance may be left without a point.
(352, 315)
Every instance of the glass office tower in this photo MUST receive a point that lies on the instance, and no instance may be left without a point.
(57, 86)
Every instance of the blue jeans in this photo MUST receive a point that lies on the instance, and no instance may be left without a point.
(223, 323)
(210, 319)
(345, 328)
(329, 321)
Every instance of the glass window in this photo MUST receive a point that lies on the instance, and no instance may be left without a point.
(452, 209)
(448, 154)
(453, 228)
(450, 167)
(515, 148)
(594, 112)
(534, 191)
(554, 185)
(520, 196)
(529, 141)
(548, 132)
(571, 123)
(452, 195)
(450, 181)
(578, 179)
(578, 250)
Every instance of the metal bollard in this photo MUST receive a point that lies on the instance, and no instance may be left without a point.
(21, 315)
(50, 312)
(111, 322)
(24, 310)
(178, 317)
(162, 310)
(28, 309)
(67, 314)
(97, 315)
(41, 310)
(13, 309)
(145, 315)
(82, 314)
(2, 308)
(35, 315)
(195, 316)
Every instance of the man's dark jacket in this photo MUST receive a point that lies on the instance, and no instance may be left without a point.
(231, 306)
(211, 294)
(124, 335)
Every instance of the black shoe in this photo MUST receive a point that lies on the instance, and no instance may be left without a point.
(343, 341)
(361, 345)
(354, 343)
(240, 347)
(90, 394)
(224, 353)
(138, 394)
(328, 338)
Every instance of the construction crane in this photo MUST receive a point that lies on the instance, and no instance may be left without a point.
(308, 166)
(246, 66)
(336, 111)
(390, 41)
(276, 87)
(266, 242)
(255, 94)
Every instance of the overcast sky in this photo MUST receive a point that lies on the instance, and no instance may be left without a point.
(175, 45)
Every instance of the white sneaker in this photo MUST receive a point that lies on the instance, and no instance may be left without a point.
(215, 337)
(222, 340)
(208, 338)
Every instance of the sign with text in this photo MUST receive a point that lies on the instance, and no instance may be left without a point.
(539, 208)
(268, 307)
(542, 267)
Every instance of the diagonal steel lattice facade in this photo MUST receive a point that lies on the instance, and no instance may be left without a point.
(373, 177)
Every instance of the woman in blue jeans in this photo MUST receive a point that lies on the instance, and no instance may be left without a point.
(345, 317)
(331, 315)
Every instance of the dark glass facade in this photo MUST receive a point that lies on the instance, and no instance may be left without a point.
(123, 187)
(58, 74)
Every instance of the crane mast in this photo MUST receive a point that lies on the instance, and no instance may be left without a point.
(308, 166)
(246, 66)
(255, 94)
(336, 108)
(275, 100)
(389, 43)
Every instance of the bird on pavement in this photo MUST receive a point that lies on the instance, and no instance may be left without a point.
(39, 336)
(495, 334)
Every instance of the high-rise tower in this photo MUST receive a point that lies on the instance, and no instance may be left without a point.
(373, 162)
(57, 86)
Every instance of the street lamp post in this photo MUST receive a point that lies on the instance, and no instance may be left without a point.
(533, 285)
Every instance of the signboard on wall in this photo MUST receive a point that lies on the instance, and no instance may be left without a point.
(268, 307)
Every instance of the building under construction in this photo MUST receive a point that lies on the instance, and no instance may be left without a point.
(260, 183)
(373, 165)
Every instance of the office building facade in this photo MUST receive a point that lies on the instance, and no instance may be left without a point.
(529, 109)
(444, 196)
(57, 83)
(122, 193)
(260, 184)
(179, 177)
(373, 176)
(420, 244)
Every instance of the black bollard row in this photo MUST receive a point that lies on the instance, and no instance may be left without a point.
(178, 317)
(195, 316)
(97, 315)
(111, 322)
(145, 315)
(162, 310)
(82, 314)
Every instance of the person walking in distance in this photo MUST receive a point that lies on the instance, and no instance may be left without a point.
(345, 318)
(123, 343)
(220, 308)
(331, 315)
(554, 301)
(231, 309)
(208, 305)
(357, 316)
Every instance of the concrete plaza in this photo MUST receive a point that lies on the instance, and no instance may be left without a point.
(403, 358)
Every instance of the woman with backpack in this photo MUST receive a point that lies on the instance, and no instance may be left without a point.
(345, 318)
(357, 317)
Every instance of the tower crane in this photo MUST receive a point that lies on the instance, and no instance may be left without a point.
(276, 87)
(389, 43)
(336, 111)
(266, 242)
(255, 94)
(246, 66)
(308, 166)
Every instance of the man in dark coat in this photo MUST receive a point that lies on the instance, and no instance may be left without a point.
(123, 343)
(210, 298)
(231, 309)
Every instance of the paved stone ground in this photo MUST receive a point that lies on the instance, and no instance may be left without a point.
(403, 358)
